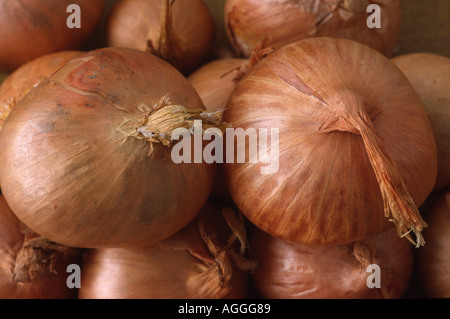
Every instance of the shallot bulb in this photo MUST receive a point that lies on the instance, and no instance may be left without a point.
(18, 83)
(287, 21)
(429, 74)
(30, 28)
(373, 268)
(179, 31)
(433, 260)
(87, 154)
(32, 267)
(346, 149)
(203, 260)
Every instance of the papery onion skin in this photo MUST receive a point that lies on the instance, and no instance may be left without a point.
(429, 74)
(180, 267)
(325, 191)
(18, 83)
(433, 260)
(247, 21)
(292, 271)
(137, 23)
(72, 172)
(31, 28)
(216, 80)
(45, 286)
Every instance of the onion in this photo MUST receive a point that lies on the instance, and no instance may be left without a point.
(181, 32)
(293, 271)
(433, 260)
(27, 75)
(200, 261)
(429, 74)
(356, 149)
(86, 154)
(32, 267)
(247, 21)
(34, 28)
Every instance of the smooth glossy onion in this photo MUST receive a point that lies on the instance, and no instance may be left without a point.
(86, 155)
(181, 32)
(18, 83)
(347, 146)
(30, 29)
(32, 267)
(202, 261)
(248, 21)
(429, 74)
(373, 268)
(433, 260)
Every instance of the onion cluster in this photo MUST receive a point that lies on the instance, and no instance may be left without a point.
(330, 155)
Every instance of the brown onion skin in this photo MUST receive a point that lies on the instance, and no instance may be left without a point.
(45, 286)
(325, 191)
(133, 23)
(429, 74)
(247, 21)
(216, 80)
(292, 271)
(31, 29)
(84, 182)
(27, 75)
(180, 267)
(433, 260)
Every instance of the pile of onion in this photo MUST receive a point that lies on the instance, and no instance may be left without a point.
(204, 260)
(248, 21)
(32, 28)
(356, 152)
(349, 271)
(181, 32)
(32, 267)
(433, 260)
(18, 83)
(429, 74)
(86, 154)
